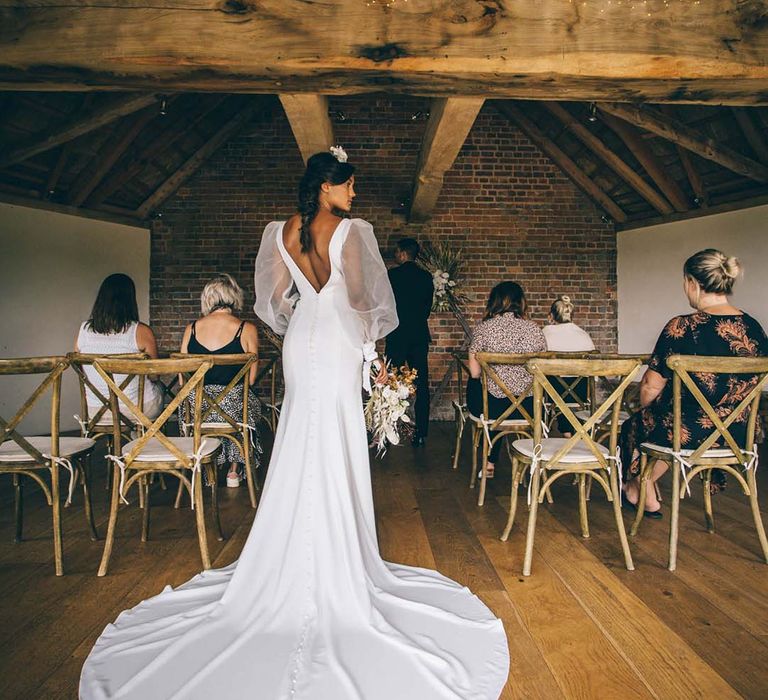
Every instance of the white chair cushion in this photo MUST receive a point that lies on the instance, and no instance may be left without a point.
(155, 451)
(550, 446)
(68, 447)
(584, 416)
(509, 423)
(711, 453)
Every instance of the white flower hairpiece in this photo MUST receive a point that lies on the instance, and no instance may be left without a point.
(339, 153)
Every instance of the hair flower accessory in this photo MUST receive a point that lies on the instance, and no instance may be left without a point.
(339, 153)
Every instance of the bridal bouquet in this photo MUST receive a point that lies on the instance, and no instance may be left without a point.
(386, 410)
(444, 264)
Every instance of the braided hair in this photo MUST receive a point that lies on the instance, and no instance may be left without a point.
(321, 167)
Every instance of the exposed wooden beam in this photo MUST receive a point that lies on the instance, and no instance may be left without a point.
(450, 121)
(614, 162)
(123, 217)
(93, 174)
(193, 163)
(310, 123)
(166, 137)
(691, 172)
(570, 168)
(755, 137)
(645, 156)
(95, 118)
(695, 141)
(545, 50)
(56, 171)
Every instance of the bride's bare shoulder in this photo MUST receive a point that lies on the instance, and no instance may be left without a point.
(291, 230)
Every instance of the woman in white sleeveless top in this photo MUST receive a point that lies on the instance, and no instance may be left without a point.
(114, 328)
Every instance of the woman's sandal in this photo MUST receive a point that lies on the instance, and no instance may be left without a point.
(233, 481)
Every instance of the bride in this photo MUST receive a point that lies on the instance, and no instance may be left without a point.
(310, 611)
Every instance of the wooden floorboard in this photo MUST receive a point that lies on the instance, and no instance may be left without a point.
(580, 627)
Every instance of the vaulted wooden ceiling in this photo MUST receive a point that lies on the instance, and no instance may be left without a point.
(654, 108)
(124, 154)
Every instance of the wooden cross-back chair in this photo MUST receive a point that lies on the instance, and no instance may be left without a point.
(270, 368)
(720, 450)
(32, 456)
(460, 410)
(551, 458)
(515, 420)
(216, 422)
(154, 452)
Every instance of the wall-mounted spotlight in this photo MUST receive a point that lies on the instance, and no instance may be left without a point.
(419, 116)
(592, 114)
(338, 115)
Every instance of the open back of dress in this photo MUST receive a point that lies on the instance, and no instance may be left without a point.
(310, 610)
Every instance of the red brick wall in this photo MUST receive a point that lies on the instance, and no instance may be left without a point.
(512, 212)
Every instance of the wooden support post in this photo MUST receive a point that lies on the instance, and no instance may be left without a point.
(310, 123)
(450, 121)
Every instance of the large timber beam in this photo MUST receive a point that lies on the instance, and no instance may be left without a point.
(709, 52)
(687, 137)
(611, 159)
(579, 177)
(310, 123)
(96, 118)
(193, 163)
(450, 121)
(754, 135)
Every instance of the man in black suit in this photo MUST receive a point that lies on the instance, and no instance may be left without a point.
(409, 342)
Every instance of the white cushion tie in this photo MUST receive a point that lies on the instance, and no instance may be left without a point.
(64, 462)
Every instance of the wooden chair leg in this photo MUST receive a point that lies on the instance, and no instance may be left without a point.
(614, 477)
(583, 518)
(18, 506)
(140, 483)
(589, 487)
(512, 499)
(484, 471)
(179, 493)
(58, 549)
(755, 506)
(531, 522)
(250, 479)
(86, 467)
(114, 504)
(641, 498)
(161, 479)
(144, 490)
(459, 434)
(215, 502)
(200, 521)
(709, 518)
(476, 433)
(674, 520)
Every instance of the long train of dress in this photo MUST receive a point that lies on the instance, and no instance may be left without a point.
(310, 610)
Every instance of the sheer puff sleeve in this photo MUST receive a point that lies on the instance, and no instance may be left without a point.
(276, 293)
(370, 294)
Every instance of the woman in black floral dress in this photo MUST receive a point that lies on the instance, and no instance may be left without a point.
(716, 329)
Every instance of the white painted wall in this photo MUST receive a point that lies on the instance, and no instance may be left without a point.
(50, 270)
(650, 263)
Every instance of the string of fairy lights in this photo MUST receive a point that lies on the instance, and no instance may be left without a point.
(646, 6)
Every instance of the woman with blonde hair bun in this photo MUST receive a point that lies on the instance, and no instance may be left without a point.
(716, 328)
(563, 335)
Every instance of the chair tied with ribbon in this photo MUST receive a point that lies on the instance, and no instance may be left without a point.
(83, 425)
(121, 465)
(197, 459)
(251, 430)
(67, 464)
(535, 458)
(619, 467)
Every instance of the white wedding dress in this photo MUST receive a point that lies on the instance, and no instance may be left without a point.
(310, 611)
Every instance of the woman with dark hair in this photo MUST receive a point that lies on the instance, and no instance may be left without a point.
(504, 329)
(716, 328)
(114, 328)
(311, 610)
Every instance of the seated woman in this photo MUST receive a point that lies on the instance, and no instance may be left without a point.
(114, 328)
(563, 335)
(505, 330)
(716, 328)
(220, 332)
